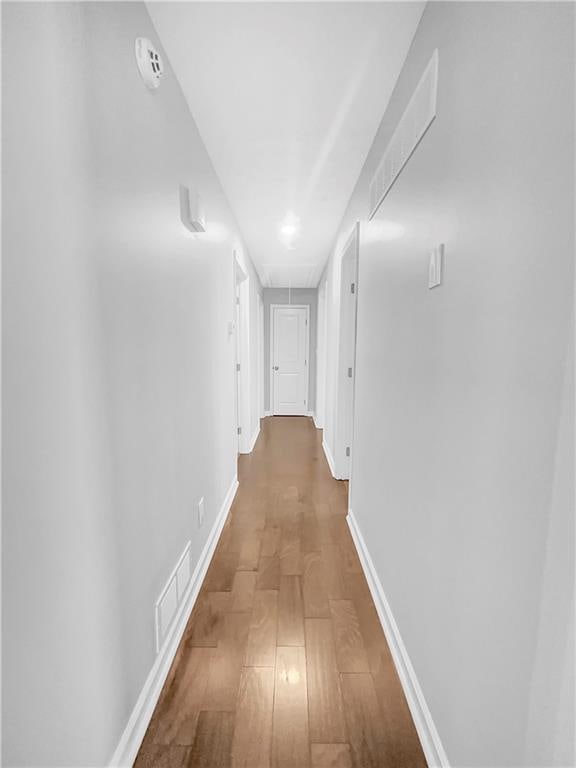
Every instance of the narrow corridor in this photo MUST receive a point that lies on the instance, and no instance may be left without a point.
(338, 239)
(284, 662)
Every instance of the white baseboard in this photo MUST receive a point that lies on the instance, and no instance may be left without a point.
(133, 734)
(329, 458)
(429, 738)
(312, 415)
(254, 438)
(267, 413)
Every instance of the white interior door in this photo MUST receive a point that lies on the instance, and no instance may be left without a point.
(347, 357)
(289, 360)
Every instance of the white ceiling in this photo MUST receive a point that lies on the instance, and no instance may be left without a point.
(287, 98)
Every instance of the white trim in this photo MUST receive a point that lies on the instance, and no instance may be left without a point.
(239, 274)
(312, 415)
(321, 342)
(329, 458)
(267, 413)
(307, 353)
(243, 357)
(254, 438)
(260, 337)
(429, 738)
(347, 314)
(131, 739)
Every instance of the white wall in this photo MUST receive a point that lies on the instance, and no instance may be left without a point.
(306, 296)
(462, 480)
(62, 684)
(118, 370)
(550, 730)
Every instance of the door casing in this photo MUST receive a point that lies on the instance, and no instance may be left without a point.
(242, 340)
(260, 334)
(320, 415)
(347, 355)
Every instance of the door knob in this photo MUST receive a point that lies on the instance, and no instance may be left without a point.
(275, 367)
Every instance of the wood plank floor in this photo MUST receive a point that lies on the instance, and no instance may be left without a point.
(283, 663)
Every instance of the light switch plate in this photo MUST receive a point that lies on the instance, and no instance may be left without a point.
(436, 266)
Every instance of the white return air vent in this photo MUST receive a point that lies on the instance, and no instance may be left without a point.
(414, 123)
(171, 596)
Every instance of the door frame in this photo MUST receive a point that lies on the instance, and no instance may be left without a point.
(321, 332)
(307, 353)
(242, 375)
(260, 335)
(347, 330)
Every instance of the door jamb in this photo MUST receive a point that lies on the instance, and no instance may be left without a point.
(260, 335)
(321, 358)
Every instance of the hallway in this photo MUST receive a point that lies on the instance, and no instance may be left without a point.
(284, 662)
(288, 384)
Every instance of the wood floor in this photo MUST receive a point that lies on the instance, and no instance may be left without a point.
(284, 663)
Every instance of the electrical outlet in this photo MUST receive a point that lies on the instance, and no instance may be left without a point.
(201, 510)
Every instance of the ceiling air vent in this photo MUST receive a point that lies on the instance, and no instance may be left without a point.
(414, 123)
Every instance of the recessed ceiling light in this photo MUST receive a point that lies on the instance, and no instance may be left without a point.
(289, 229)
